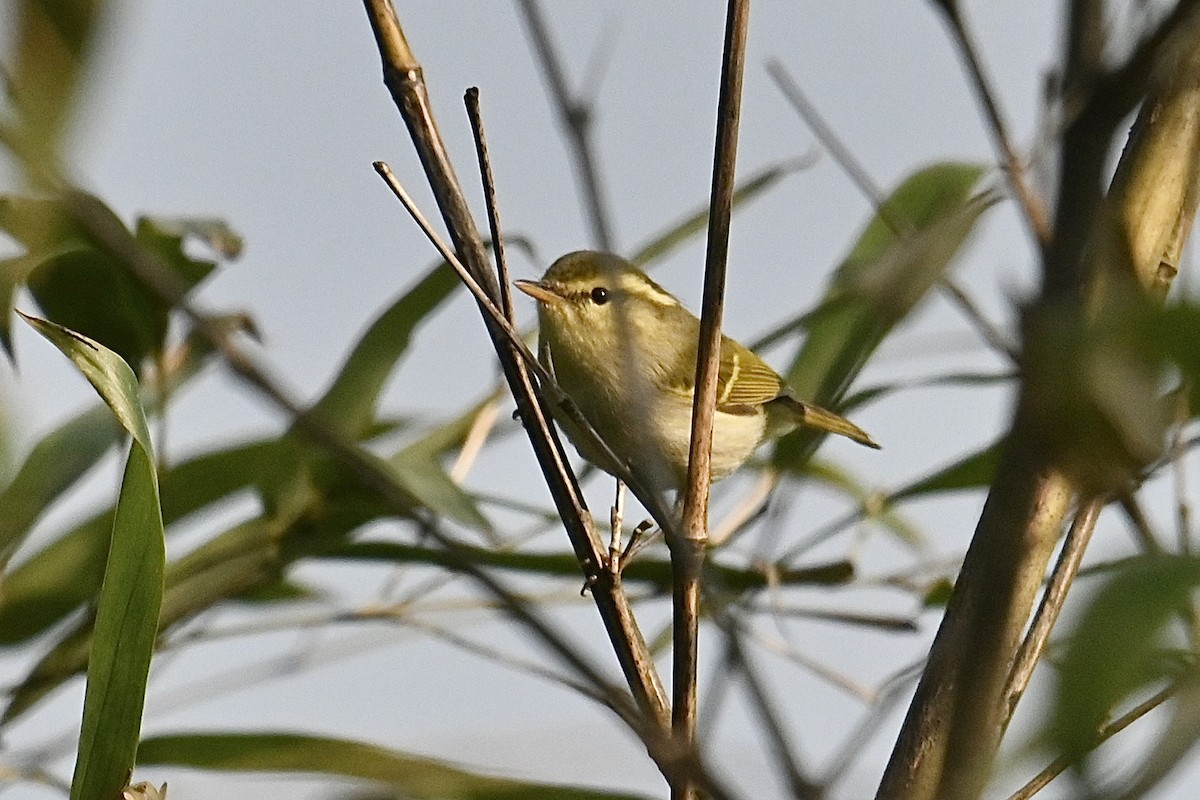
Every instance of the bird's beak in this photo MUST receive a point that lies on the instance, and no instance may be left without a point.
(539, 291)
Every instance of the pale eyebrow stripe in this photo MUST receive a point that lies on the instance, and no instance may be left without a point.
(649, 292)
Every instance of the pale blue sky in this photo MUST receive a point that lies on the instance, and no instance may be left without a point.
(270, 115)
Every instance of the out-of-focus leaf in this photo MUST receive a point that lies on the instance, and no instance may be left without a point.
(898, 258)
(349, 403)
(418, 468)
(214, 232)
(250, 556)
(696, 223)
(1180, 738)
(414, 777)
(1093, 385)
(973, 471)
(1118, 646)
(87, 291)
(870, 500)
(126, 624)
(52, 466)
(82, 284)
(1177, 330)
(54, 41)
(67, 572)
(56, 581)
(168, 245)
(429, 483)
(651, 571)
(938, 593)
(870, 394)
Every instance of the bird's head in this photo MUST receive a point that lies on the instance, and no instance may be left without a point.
(588, 298)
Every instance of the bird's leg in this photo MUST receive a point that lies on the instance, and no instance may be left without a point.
(641, 536)
(615, 518)
(645, 532)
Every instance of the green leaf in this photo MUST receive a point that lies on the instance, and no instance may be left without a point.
(214, 232)
(349, 403)
(654, 572)
(53, 465)
(67, 572)
(1177, 330)
(973, 471)
(55, 581)
(415, 777)
(84, 284)
(248, 557)
(898, 258)
(88, 291)
(53, 45)
(167, 242)
(109, 375)
(418, 469)
(697, 222)
(127, 612)
(1118, 647)
(124, 637)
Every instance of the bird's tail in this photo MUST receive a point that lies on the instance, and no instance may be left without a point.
(817, 417)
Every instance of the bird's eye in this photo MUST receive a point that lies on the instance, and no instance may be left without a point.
(599, 295)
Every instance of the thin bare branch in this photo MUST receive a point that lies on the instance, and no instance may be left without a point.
(802, 786)
(687, 552)
(471, 98)
(403, 77)
(1051, 604)
(1032, 206)
(1059, 765)
(575, 116)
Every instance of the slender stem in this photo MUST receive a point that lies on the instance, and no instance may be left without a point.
(802, 786)
(576, 118)
(1032, 207)
(1059, 765)
(471, 98)
(1051, 604)
(403, 77)
(688, 554)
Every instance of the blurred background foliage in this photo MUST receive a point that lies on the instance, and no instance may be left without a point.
(95, 595)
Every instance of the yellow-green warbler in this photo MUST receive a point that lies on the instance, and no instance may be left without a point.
(624, 350)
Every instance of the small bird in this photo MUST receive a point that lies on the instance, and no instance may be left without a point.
(624, 350)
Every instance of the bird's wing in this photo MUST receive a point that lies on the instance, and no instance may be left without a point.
(744, 381)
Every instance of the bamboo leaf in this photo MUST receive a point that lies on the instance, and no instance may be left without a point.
(973, 471)
(54, 42)
(1118, 647)
(67, 572)
(696, 223)
(414, 777)
(53, 465)
(127, 611)
(349, 403)
(898, 258)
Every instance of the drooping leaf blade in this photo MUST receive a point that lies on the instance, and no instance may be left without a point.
(899, 257)
(54, 464)
(349, 403)
(416, 777)
(695, 223)
(127, 612)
